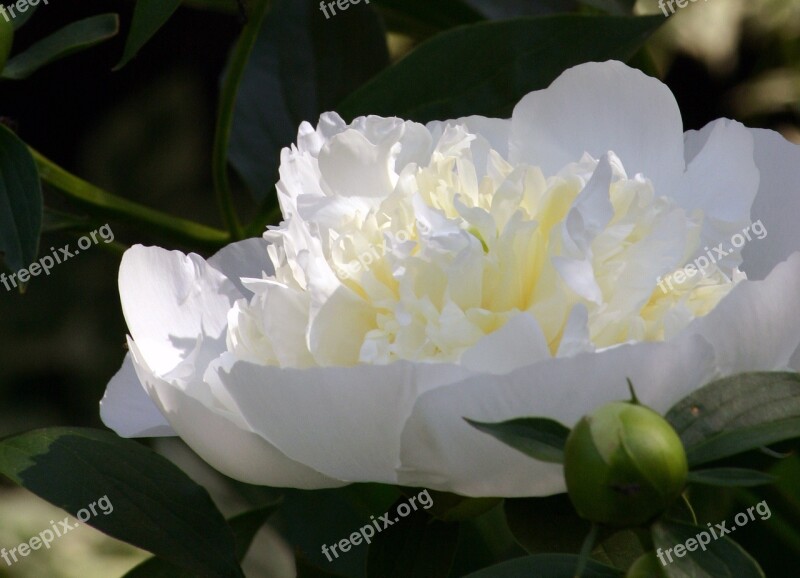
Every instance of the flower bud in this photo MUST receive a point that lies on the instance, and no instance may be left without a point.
(623, 465)
(6, 40)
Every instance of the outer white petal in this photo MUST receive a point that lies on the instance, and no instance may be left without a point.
(722, 180)
(441, 451)
(598, 107)
(170, 300)
(777, 204)
(213, 433)
(757, 325)
(245, 259)
(128, 410)
(198, 412)
(342, 421)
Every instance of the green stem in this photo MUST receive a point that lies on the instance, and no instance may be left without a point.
(99, 202)
(227, 105)
(114, 248)
(689, 507)
(586, 550)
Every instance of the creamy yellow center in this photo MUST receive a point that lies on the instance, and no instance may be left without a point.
(458, 249)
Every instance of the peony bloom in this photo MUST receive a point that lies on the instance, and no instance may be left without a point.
(479, 268)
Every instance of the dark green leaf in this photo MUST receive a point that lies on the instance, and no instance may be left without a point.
(425, 16)
(148, 17)
(548, 524)
(780, 512)
(481, 541)
(499, 9)
(621, 549)
(618, 7)
(682, 509)
(336, 514)
(415, 546)
(737, 414)
(300, 66)
(245, 527)
(20, 203)
(546, 566)
(155, 505)
(718, 558)
(486, 68)
(72, 38)
(306, 570)
(731, 477)
(224, 6)
(454, 508)
(540, 438)
(23, 17)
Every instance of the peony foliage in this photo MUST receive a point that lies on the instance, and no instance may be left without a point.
(457, 261)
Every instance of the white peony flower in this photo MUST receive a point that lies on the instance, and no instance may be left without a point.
(478, 268)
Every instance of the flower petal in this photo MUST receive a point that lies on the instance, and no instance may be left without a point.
(342, 421)
(216, 438)
(720, 166)
(126, 408)
(756, 327)
(518, 343)
(441, 451)
(353, 166)
(597, 108)
(776, 206)
(245, 259)
(170, 300)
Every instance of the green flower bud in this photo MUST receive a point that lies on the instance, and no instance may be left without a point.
(646, 566)
(6, 40)
(623, 465)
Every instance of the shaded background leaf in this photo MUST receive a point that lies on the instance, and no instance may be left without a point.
(546, 566)
(416, 546)
(69, 40)
(155, 505)
(526, 54)
(722, 557)
(301, 66)
(244, 526)
(148, 17)
(20, 203)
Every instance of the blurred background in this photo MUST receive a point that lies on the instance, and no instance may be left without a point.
(145, 133)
